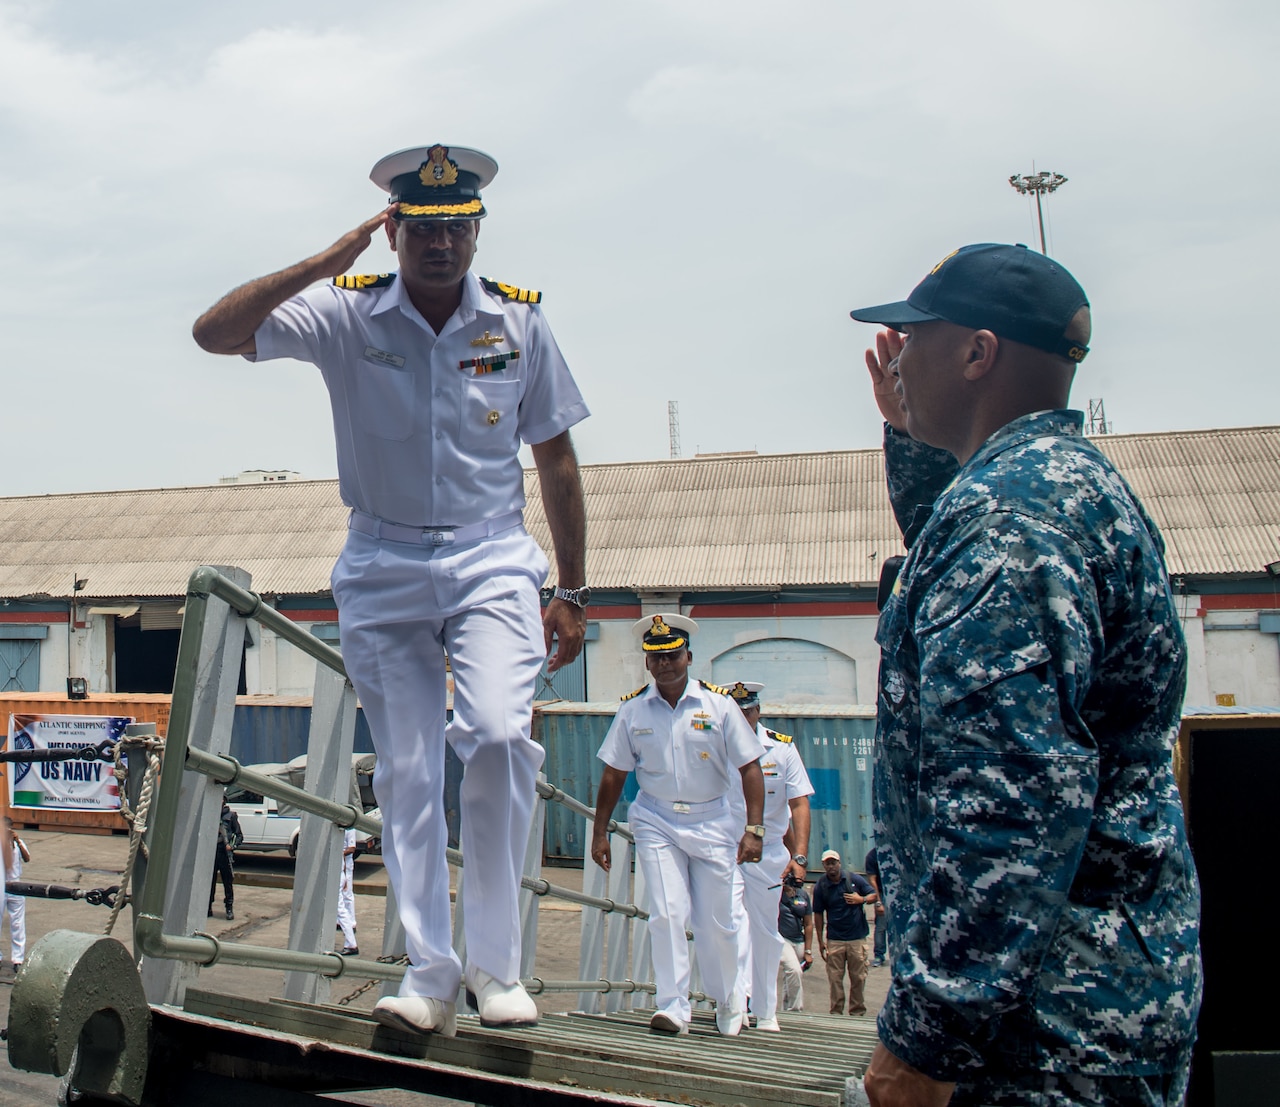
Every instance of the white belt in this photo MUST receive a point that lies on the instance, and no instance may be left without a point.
(431, 536)
(682, 807)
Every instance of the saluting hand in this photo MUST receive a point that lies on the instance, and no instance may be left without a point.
(339, 257)
(882, 363)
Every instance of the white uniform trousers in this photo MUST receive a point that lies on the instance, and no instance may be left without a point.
(347, 902)
(688, 860)
(757, 890)
(400, 606)
(17, 908)
(792, 976)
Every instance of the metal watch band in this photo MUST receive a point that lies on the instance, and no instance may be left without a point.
(579, 597)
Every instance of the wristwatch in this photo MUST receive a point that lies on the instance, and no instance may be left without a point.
(757, 829)
(579, 597)
(801, 859)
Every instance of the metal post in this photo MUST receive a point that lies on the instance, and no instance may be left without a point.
(528, 901)
(393, 942)
(591, 949)
(203, 709)
(318, 866)
(136, 764)
(619, 925)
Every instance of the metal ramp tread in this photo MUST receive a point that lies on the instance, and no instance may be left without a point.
(566, 1059)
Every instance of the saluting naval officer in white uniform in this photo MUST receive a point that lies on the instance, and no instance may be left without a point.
(757, 888)
(435, 377)
(689, 746)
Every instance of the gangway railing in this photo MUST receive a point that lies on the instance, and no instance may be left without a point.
(182, 834)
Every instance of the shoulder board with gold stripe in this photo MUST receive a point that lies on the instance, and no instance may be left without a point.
(715, 688)
(632, 695)
(511, 292)
(778, 737)
(358, 282)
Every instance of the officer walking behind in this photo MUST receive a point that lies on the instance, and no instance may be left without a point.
(230, 835)
(795, 925)
(755, 887)
(1043, 904)
(684, 739)
(435, 377)
(13, 853)
(880, 943)
(839, 898)
(347, 894)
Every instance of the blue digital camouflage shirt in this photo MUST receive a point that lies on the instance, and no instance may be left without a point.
(1042, 901)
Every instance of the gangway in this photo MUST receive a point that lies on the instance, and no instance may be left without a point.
(147, 1034)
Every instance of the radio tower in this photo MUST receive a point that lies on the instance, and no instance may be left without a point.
(1097, 423)
(673, 426)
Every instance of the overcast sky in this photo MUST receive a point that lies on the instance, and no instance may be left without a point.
(702, 190)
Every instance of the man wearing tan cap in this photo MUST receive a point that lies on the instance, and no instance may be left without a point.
(436, 377)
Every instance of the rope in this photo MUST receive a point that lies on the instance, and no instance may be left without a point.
(137, 820)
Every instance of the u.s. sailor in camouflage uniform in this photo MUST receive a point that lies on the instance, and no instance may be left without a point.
(1043, 903)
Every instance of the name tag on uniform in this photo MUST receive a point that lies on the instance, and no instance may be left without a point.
(643, 730)
(383, 357)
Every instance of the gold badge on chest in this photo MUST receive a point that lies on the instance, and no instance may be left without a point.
(487, 339)
(493, 418)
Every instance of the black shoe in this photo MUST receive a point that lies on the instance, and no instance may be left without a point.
(350, 951)
(230, 914)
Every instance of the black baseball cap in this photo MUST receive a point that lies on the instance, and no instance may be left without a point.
(1014, 292)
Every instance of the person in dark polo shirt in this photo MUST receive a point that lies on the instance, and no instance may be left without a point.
(839, 897)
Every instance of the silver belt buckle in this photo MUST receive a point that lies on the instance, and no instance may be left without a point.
(441, 537)
(681, 808)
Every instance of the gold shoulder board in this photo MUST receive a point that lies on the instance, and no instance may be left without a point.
(358, 282)
(779, 737)
(632, 695)
(715, 688)
(511, 292)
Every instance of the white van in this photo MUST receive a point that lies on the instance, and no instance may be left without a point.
(266, 827)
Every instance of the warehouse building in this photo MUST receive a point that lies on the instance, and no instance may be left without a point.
(776, 556)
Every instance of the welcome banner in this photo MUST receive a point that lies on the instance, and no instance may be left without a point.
(79, 784)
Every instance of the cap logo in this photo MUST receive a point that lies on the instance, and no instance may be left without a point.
(739, 691)
(659, 627)
(1077, 353)
(943, 262)
(438, 171)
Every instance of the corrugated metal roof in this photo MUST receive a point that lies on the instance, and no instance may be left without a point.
(745, 522)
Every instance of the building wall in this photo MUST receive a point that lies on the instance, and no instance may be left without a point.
(615, 665)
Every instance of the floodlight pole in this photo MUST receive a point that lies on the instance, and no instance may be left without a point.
(1038, 183)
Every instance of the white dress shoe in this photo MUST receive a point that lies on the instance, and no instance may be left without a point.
(768, 1024)
(417, 1015)
(662, 1023)
(728, 1022)
(499, 1004)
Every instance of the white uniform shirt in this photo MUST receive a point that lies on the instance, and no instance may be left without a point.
(686, 754)
(420, 441)
(785, 779)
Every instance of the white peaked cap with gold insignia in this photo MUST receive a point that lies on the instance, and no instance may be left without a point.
(668, 631)
(746, 693)
(435, 182)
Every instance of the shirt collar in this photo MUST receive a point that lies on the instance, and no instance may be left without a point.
(1038, 424)
(474, 301)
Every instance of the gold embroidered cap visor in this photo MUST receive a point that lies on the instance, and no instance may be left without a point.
(435, 182)
(660, 633)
